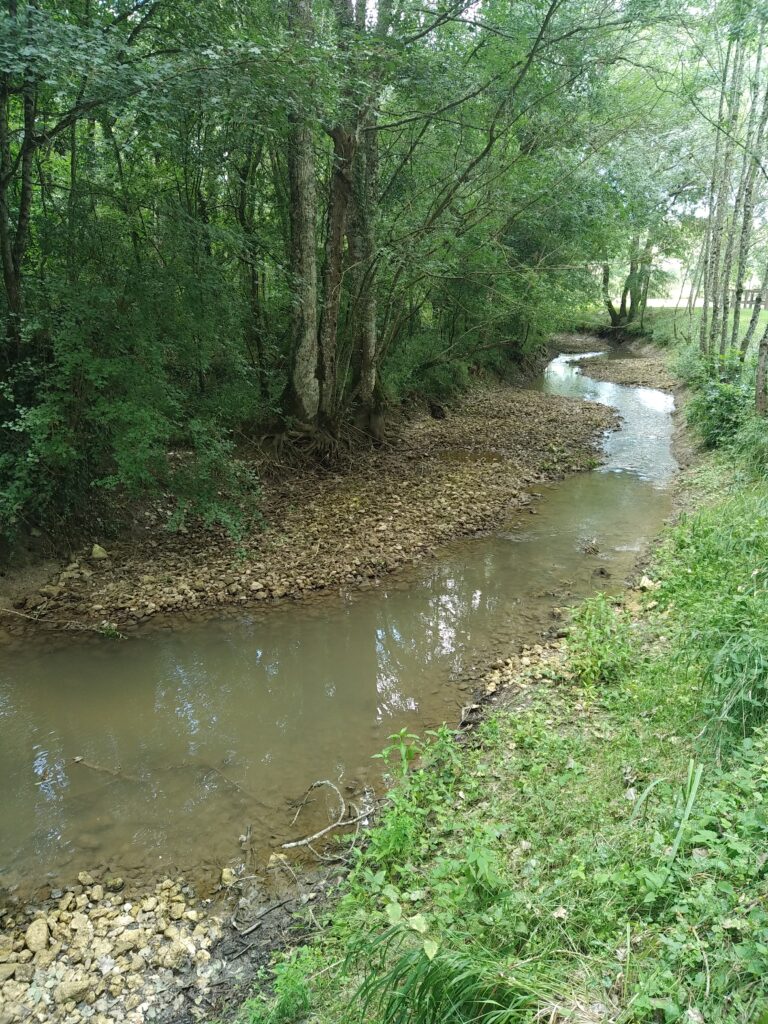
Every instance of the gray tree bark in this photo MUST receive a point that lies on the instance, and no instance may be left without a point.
(761, 399)
(714, 191)
(303, 255)
(747, 219)
(719, 275)
(743, 206)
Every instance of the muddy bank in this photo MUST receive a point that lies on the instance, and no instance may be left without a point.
(433, 481)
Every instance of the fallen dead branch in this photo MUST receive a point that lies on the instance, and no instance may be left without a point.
(259, 920)
(341, 822)
(317, 785)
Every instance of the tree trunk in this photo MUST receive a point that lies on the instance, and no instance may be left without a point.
(743, 207)
(344, 147)
(696, 276)
(14, 237)
(747, 218)
(714, 192)
(367, 200)
(345, 139)
(720, 273)
(761, 399)
(747, 339)
(646, 266)
(612, 312)
(305, 386)
(365, 205)
(633, 285)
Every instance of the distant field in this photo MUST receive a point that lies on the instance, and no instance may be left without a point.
(682, 324)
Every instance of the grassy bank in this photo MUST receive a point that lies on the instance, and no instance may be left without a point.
(596, 851)
(680, 327)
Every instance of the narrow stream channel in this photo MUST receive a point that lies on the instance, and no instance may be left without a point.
(154, 755)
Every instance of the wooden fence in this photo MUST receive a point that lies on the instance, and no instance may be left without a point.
(748, 297)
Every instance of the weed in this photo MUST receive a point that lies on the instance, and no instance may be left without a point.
(599, 642)
(403, 748)
(423, 984)
(719, 409)
(292, 999)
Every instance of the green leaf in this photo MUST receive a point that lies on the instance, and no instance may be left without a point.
(394, 912)
(419, 923)
(430, 948)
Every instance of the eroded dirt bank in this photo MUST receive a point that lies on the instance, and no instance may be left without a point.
(432, 481)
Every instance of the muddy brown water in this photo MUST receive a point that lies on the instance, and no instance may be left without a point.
(156, 754)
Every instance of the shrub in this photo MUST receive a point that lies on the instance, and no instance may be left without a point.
(719, 410)
(750, 445)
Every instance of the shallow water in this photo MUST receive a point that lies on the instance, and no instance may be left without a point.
(156, 754)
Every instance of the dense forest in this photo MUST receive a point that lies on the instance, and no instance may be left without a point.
(226, 221)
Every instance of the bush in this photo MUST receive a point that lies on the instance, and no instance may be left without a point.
(719, 410)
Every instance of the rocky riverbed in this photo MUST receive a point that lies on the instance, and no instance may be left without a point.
(433, 480)
(103, 952)
(89, 953)
(650, 371)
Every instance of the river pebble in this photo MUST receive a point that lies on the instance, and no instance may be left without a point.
(91, 956)
(343, 527)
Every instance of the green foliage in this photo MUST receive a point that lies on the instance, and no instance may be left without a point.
(722, 396)
(711, 929)
(718, 410)
(750, 446)
(213, 483)
(84, 442)
(426, 985)
(292, 999)
(156, 294)
(599, 642)
(404, 748)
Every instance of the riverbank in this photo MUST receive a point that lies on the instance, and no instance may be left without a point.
(433, 481)
(594, 850)
(192, 984)
(106, 951)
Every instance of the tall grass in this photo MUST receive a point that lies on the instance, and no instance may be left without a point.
(721, 602)
(404, 985)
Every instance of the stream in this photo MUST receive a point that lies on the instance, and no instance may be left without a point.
(154, 755)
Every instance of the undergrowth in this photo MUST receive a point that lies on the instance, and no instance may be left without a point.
(598, 853)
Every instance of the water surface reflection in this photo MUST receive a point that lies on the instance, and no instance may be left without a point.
(159, 752)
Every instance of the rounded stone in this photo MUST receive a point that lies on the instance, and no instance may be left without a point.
(36, 937)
